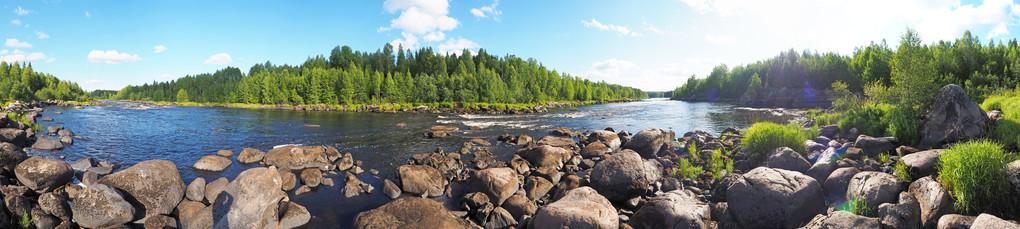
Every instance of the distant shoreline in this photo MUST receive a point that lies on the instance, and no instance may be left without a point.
(459, 108)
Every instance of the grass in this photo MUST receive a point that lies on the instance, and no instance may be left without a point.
(716, 164)
(857, 205)
(884, 157)
(975, 174)
(16, 117)
(26, 220)
(903, 123)
(1007, 130)
(864, 119)
(685, 169)
(901, 171)
(764, 137)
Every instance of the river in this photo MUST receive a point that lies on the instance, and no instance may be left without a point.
(127, 133)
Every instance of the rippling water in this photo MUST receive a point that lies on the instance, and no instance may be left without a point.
(128, 133)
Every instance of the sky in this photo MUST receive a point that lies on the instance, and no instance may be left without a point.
(654, 45)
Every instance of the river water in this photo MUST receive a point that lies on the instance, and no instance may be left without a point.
(127, 133)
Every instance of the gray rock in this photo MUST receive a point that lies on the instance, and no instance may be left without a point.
(301, 157)
(955, 221)
(786, 158)
(498, 183)
(408, 212)
(842, 220)
(84, 164)
(500, 218)
(55, 205)
(160, 222)
(43, 174)
(249, 155)
(390, 189)
(922, 163)
(623, 175)
(875, 188)
(519, 206)
(579, 208)
(225, 153)
(252, 200)
(67, 140)
(311, 177)
(195, 215)
(595, 149)
(421, 180)
(295, 216)
(65, 132)
(648, 142)
(213, 189)
(154, 187)
(43, 220)
(985, 220)
(212, 163)
(47, 144)
(99, 206)
(196, 190)
(674, 209)
(288, 178)
(547, 156)
(1014, 175)
(346, 162)
(952, 116)
(10, 156)
(905, 214)
(774, 198)
(14, 136)
(872, 147)
(536, 187)
(608, 138)
(934, 200)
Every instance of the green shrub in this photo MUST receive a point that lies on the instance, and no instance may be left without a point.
(975, 175)
(716, 164)
(903, 123)
(901, 171)
(1007, 130)
(685, 169)
(827, 119)
(763, 137)
(857, 206)
(866, 120)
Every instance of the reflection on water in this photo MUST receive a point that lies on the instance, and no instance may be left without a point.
(127, 133)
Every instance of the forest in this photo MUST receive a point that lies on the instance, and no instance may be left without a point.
(387, 75)
(980, 68)
(18, 81)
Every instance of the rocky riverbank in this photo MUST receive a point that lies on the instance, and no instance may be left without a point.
(454, 108)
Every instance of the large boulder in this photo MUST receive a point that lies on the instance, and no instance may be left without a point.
(608, 138)
(985, 220)
(774, 198)
(579, 208)
(498, 183)
(153, 187)
(924, 163)
(47, 144)
(954, 221)
(649, 142)
(875, 188)
(872, 147)
(952, 116)
(421, 180)
(249, 155)
(836, 184)
(905, 214)
(56, 205)
(786, 158)
(301, 157)
(43, 174)
(842, 220)
(595, 149)
(556, 141)
(934, 200)
(13, 136)
(212, 163)
(1014, 175)
(196, 190)
(675, 209)
(10, 156)
(410, 212)
(547, 156)
(252, 200)
(99, 206)
(623, 175)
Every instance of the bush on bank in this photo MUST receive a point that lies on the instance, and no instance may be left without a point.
(975, 175)
(763, 137)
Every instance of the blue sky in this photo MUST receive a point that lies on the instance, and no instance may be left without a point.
(652, 45)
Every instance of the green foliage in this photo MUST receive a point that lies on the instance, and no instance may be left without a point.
(866, 119)
(975, 175)
(685, 169)
(26, 220)
(18, 81)
(904, 123)
(716, 164)
(858, 206)
(884, 157)
(913, 73)
(182, 96)
(901, 171)
(352, 77)
(764, 137)
(1006, 130)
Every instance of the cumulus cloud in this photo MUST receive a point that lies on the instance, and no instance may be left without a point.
(419, 18)
(21, 11)
(456, 45)
(50, 60)
(16, 22)
(165, 75)
(999, 31)
(624, 31)
(488, 11)
(111, 57)
(14, 43)
(219, 58)
(158, 49)
(42, 35)
(20, 56)
(627, 73)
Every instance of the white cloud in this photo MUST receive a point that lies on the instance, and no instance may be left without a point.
(111, 57)
(609, 69)
(158, 49)
(488, 11)
(11, 42)
(219, 58)
(651, 28)
(20, 56)
(50, 60)
(42, 35)
(16, 22)
(427, 18)
(999, 31)
(624, 31)
(21, 11)
(165, 75)
(456, 45)
(88, 15)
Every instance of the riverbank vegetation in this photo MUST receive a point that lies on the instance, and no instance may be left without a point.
(18, 81)
(388, 76)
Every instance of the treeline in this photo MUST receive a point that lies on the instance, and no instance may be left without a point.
(385, 76)
(18, 81)
(980, 68)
